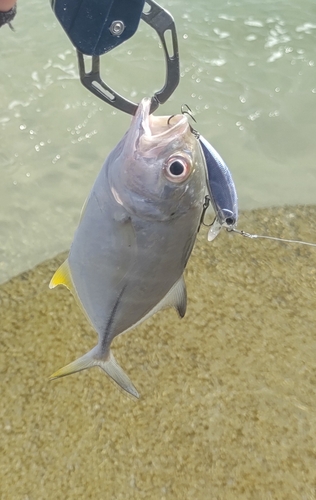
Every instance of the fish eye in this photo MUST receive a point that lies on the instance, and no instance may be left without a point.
(178, 169)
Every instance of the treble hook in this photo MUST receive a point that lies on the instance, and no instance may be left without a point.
(206, 204)
(186, 110)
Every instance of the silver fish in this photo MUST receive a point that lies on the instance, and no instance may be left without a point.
(136, 233)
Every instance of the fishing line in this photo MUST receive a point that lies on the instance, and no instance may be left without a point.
(255, 236)
(244, 233)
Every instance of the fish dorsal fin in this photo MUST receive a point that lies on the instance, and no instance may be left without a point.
(62, 277)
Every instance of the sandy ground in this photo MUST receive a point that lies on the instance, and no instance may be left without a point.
(228, 394)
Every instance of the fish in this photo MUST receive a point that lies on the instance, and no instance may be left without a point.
(137, 229)
(222, 190)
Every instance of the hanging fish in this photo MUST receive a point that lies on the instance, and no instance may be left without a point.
(222, 190)
(136, 234)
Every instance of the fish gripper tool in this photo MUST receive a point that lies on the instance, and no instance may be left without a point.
(97, 26)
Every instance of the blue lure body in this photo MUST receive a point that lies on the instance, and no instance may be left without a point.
(221, 186)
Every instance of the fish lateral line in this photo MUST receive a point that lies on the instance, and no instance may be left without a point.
(266, 237)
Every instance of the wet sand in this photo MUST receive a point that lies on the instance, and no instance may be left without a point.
(228, 394)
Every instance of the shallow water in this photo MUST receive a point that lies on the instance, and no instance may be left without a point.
(248, 72)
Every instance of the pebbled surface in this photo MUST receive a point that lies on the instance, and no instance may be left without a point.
(228, 398)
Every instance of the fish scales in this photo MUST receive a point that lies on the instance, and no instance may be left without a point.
(136, 233)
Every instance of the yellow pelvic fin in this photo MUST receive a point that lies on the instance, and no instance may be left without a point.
(62, 277)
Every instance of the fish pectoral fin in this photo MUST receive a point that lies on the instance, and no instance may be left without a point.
(110, 366)
(84, 206)
(176, 297)
(62, 277)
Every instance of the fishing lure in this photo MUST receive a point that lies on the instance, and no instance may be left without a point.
(223, 195)
(220, 184)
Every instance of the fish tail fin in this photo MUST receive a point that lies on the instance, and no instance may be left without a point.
(116, 373)
(83, 363)
(110, 366)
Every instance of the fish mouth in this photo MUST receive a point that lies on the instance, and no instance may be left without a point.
(154, 133)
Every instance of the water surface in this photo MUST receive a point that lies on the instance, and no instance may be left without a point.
(248, 72)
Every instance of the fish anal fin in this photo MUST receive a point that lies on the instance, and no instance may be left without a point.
(62, 277)
(109, 365)
(177, 297)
